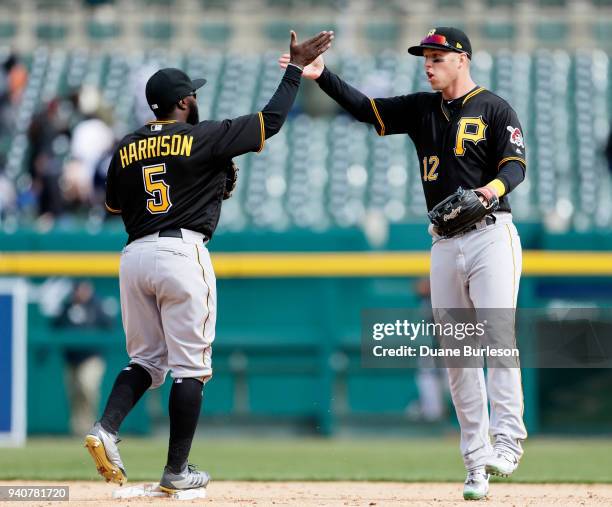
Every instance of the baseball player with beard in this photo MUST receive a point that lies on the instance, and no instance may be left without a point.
(167, 180)
(465, 137)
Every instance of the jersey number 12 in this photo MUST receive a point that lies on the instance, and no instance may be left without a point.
(430, 168)
(157, 188)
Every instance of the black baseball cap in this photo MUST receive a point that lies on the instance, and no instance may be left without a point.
(167, 86)
(446, 38)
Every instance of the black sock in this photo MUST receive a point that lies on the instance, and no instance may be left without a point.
(130, 385)
(184, 408)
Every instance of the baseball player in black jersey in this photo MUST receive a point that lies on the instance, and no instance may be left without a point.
(167, 180)
(467, 137)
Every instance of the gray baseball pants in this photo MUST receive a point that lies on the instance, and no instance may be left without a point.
(482, 269)
(169, 305)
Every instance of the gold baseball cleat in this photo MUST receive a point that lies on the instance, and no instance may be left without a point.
(102, 446)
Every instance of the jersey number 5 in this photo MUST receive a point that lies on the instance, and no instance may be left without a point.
(158, 189)
(430, 170)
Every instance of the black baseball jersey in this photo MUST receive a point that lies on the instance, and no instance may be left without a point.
(169, 175)
(468, 142)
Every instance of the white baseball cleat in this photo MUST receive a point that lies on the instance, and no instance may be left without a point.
(476, 486)
(502, 463)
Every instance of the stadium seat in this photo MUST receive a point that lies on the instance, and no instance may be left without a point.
(158, 3)
(51, 4)
(551, 31)
(382, 35)
(444, 4)
(50, 32)
(215, 33)
(603, 33)
(282, 4)
(8, 29)
(498, 30)
(157, 30)
(311, 29)
(552, 3)
(279, 30)
(214, 4)
(98, 30)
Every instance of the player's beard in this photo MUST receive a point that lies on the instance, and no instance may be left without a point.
(194, 115)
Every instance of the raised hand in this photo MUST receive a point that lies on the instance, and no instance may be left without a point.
(308, 51)
(311, 71)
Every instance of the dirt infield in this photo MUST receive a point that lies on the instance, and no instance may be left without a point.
(306, 494)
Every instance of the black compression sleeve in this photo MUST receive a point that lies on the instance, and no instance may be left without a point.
(351, 99)
(275, 112)
(511, 174)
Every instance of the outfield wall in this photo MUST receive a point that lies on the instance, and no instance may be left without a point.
(287, 347)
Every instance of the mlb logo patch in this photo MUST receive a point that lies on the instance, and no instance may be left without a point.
(156, 127)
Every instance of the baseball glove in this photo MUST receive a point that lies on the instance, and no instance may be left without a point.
(459, 211)
(231, 177)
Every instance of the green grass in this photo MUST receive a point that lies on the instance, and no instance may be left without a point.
(545, 460)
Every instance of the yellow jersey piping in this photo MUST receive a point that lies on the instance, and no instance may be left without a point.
(382, 125)
(161, 121)
(263, 132)
(508, 159)
(470, 95)
(207, 294)
(112, 210)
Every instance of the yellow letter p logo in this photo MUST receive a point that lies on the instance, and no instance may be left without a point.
(469, 129)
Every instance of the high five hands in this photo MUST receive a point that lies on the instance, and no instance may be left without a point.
(308, 54)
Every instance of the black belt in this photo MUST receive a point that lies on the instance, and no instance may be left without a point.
(176, 233)
(489, 220)
(171, 233)
(167, 233)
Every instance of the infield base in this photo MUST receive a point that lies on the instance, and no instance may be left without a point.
(153, 490)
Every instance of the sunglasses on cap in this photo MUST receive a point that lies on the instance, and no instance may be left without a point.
(436, 39)
(442, 41)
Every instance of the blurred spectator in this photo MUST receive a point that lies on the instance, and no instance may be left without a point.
(92, 139)
(431, 381)
(48, 136)
(85, 367)
(68, 140)
(16, 78)
(13, 80)
(8, 196)
(99, 180)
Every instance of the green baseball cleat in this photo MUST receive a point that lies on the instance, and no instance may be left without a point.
(476, 486)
